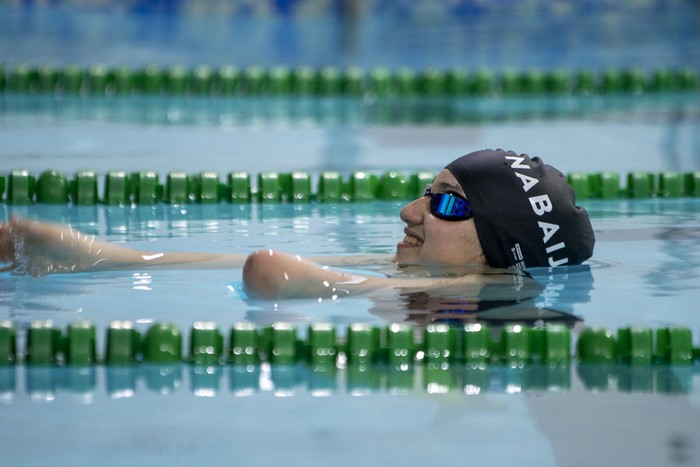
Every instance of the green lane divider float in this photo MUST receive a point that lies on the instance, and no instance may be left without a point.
(439, 345)
(396, 358)
(98, 79)
(20, 187)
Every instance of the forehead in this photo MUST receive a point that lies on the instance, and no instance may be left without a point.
(445, 181)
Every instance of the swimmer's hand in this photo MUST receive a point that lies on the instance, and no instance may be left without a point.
(37, 248)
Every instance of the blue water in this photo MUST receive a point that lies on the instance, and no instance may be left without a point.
(644, 270)
(619, 133)
(503, 34)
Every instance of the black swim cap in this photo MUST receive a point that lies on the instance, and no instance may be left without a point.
(525, 211)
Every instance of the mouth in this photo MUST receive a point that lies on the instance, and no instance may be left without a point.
(410, 240)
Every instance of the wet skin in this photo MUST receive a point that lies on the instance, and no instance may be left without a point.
(430, 240)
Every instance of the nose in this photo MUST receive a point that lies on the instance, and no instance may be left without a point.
(413, 212)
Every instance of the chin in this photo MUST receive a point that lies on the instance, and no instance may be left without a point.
(401, 258)
(403, 261)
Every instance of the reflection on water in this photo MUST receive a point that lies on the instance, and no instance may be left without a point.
(343, 114)
(544, 295)
(87, 385)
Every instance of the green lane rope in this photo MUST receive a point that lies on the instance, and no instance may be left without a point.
(20, 187)
(473, 344)
(22, 78)
(472, 359)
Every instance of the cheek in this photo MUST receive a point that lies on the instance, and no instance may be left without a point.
(449, 242)
(469, 234)
(458, 244)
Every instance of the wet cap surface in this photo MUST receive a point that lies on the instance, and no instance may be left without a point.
(524, 210)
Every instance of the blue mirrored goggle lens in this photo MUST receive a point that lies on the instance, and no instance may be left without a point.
(449, 207)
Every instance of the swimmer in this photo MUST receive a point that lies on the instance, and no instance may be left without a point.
(492, 210)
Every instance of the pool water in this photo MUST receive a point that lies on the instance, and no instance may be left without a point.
(648, 132)
(644, 271)
(393, 33)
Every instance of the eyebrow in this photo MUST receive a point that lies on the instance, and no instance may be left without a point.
(448, 185)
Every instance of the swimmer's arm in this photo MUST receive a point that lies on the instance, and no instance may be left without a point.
(272, 275)
(117, 257)
(39, 248)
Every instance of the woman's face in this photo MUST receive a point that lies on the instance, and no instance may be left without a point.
(430, 240)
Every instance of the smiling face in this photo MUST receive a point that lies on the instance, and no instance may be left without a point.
(430, 240)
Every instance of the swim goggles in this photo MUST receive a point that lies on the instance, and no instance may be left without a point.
(448, 206)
